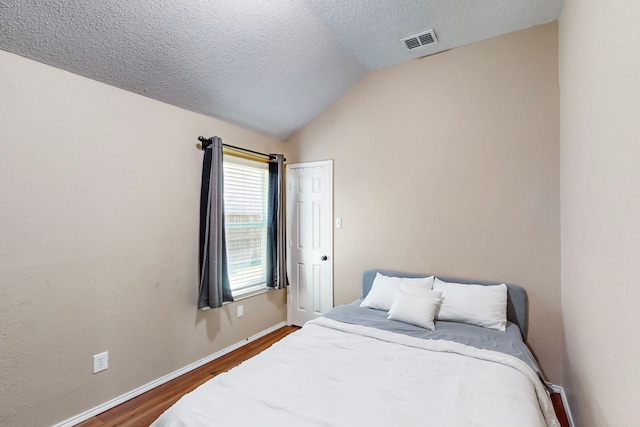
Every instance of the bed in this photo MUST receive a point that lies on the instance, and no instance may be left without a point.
(355, 366)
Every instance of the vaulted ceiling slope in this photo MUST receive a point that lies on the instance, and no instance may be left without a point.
(267, 65)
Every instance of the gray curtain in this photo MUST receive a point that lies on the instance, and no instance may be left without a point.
(214, 275)
(276, 227)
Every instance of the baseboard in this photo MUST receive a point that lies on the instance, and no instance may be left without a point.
(153, 384)
(565, 403)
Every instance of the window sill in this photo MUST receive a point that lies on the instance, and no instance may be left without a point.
(251, 293)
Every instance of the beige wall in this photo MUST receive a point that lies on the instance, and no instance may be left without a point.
(98, 243)
(600, 193)
(450, 165)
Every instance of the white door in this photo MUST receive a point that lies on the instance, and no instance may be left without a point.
(310, 237)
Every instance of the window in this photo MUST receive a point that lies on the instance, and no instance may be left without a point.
(245, 205)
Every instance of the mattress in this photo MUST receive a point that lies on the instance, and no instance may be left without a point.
(353, 367)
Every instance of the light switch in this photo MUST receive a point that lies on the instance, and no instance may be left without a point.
(338, 222)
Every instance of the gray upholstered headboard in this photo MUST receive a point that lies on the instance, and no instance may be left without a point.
(517, 302)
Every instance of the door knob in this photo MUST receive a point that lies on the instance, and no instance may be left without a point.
(323, 258)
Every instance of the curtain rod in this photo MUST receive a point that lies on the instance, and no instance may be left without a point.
(206, 142)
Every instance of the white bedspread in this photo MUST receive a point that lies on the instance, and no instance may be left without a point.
(336, 374)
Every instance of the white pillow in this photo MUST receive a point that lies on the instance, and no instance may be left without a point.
(416, 288)
(426, 282)
(384, 288)
(478, 305)
(415, 309)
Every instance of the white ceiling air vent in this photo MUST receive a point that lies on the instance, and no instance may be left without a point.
(419, 40)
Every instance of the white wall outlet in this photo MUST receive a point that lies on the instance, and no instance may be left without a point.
(100, 362)
(240, 311)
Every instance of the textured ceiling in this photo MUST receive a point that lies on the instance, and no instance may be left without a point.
(271, 66)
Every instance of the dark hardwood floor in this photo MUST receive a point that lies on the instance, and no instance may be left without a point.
(556, 399)
(144, 409)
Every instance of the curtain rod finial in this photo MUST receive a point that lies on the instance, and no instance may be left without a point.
(206, 142)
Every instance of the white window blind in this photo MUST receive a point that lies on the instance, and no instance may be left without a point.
(245, 205)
